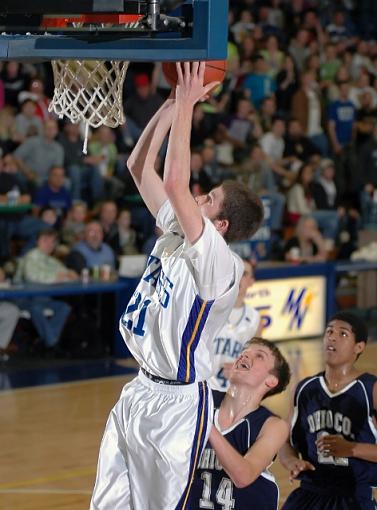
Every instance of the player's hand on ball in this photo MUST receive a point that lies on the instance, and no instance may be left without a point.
(190, 84)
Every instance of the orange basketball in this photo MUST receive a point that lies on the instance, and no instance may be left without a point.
(215, 71)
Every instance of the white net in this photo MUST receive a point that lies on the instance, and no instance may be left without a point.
(89, 91)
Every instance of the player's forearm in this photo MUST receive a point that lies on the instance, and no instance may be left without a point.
(287, 454)
(145, 152)
(365, 451)
(238, 468)
(177, 165)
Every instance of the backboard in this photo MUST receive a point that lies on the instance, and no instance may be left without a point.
(133, 30)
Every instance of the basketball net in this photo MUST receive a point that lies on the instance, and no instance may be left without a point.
(89, 91)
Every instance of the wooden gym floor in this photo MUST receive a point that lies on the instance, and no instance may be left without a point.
(50, 434)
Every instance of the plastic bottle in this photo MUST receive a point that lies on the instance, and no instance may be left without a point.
(13, 195)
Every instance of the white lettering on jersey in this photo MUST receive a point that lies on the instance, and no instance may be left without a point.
(325, 419)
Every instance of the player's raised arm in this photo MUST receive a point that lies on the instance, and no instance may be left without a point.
(189, 91)
(141, 162)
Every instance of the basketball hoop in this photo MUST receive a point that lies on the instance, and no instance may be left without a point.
(90, 91)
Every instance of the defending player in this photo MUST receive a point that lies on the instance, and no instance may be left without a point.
(333, 449)
(243, 323)
(233, 469)
(156, 431)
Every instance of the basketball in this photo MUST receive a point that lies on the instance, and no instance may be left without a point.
(215, 71)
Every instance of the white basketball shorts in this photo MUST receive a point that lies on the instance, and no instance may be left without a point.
(152, 443)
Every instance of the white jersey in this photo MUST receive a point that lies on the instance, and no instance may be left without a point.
(229, 342)
(181, 302)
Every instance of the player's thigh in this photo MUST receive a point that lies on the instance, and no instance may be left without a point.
(164, 441)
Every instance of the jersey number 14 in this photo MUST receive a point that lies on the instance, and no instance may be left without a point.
(223, 494)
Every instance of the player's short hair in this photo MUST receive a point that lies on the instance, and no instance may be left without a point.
(281, 368)
(243, 209)
(358, 325)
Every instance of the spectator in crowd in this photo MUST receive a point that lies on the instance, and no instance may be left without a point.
(342, 129)
(299, 49)
(361, 86)
(300, 202)
(368, 161)
(329, 65)
(338, 29)
(107, 217)
(13, 192)
(307, 244)
(36, 87)
(210, 163)
(74, 224)
(273, 56)
(139, 108)
(91, 252)
(326, 197)
(286, 85)
(258, 83)
(2, 94)
(200, 182)
(83, 171)
(341, 115)
(9, 316)
(366, 119)
(243, 27)
(53, 194)
(266, 114)
(124, 241)
(202, 126)
(307, 108)
(256, 171)
(27, 124)
(298, 147)
(272, 142)
(237, 133)
(7, 130)
(29, 227)
(368, 175)
(39, 266)
(102, 146)
(14, 79)
(39, 153)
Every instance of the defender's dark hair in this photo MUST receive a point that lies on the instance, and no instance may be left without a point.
(281, 368)
(243, 209)
(358, 325)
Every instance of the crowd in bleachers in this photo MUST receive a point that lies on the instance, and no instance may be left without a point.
(295, 119)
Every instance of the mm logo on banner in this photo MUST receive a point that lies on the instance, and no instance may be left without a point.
(297, 306)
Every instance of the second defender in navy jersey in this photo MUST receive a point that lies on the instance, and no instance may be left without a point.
(156, 431)
(333, 427)
(233, 469)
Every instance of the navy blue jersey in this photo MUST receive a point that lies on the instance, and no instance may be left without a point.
(213, 488)
(348, 413)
